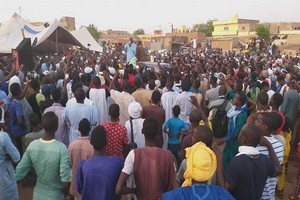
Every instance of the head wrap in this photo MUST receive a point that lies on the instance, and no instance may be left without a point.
(201, 164)
(111, 70)
(88, 70)
(134, 110)
(14, 79)
(46, 72)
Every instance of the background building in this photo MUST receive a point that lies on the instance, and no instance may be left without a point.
(115, 36)
(234, 27)
(68, 23)
(170, 41)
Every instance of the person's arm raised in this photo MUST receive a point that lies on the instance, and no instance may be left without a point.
(202, 114)
(12, 71)
(112, 83)
(25, 89)
(222, 80)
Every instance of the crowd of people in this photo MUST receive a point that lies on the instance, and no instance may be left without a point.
(214, 125)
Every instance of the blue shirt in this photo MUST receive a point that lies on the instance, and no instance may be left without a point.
(15, 109)
(198, 191)
(2, 94)
(247, 175)
(4, 87)
(97, 177)
(175, 125)
(130, 51)
(8, 185)
(199, 90)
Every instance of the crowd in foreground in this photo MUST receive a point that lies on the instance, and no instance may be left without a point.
(215, 125)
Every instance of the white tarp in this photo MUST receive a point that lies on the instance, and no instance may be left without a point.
(85, 38)
(11, 35)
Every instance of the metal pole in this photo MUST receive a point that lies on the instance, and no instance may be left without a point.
(56, 41)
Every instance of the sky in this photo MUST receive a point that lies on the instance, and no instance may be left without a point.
(152, 14)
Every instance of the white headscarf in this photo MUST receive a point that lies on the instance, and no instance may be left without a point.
(134, 110)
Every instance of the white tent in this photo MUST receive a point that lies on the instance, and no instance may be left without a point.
(55, 38)
(85, 38)
(11, 33)
(52, 38)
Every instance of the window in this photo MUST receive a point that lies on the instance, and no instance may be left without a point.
(226, 28)
(243, 28)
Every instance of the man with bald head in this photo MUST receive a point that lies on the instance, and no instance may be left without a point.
(248, 170)
(74, 113)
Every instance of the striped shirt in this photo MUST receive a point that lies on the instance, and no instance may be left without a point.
(269, 190)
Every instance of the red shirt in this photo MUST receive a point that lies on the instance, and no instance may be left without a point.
(116, 135)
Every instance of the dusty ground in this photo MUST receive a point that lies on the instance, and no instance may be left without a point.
(290, 180)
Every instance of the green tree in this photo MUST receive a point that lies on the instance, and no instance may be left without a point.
(206, 28)
(139, 32)
(263, 32)
(94, 31)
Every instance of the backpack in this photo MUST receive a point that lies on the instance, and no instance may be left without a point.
(220, 121)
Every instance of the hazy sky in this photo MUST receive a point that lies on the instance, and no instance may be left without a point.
(152, 14)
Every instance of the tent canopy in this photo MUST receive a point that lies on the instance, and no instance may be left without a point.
(86, 39)
(13, 32)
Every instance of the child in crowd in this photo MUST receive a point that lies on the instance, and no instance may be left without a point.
(173, 128)
(265, 122)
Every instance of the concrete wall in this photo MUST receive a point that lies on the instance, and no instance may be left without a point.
(224, 44)
(282, 27)
(247, 28)
(293, 40)
(167, 43)
(191, 35)
(225, 30)
(290, 32)
(156, 46)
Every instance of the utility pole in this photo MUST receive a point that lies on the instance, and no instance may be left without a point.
(172, 29)
(20, 11)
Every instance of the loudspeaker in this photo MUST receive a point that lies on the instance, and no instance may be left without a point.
(25, 54)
